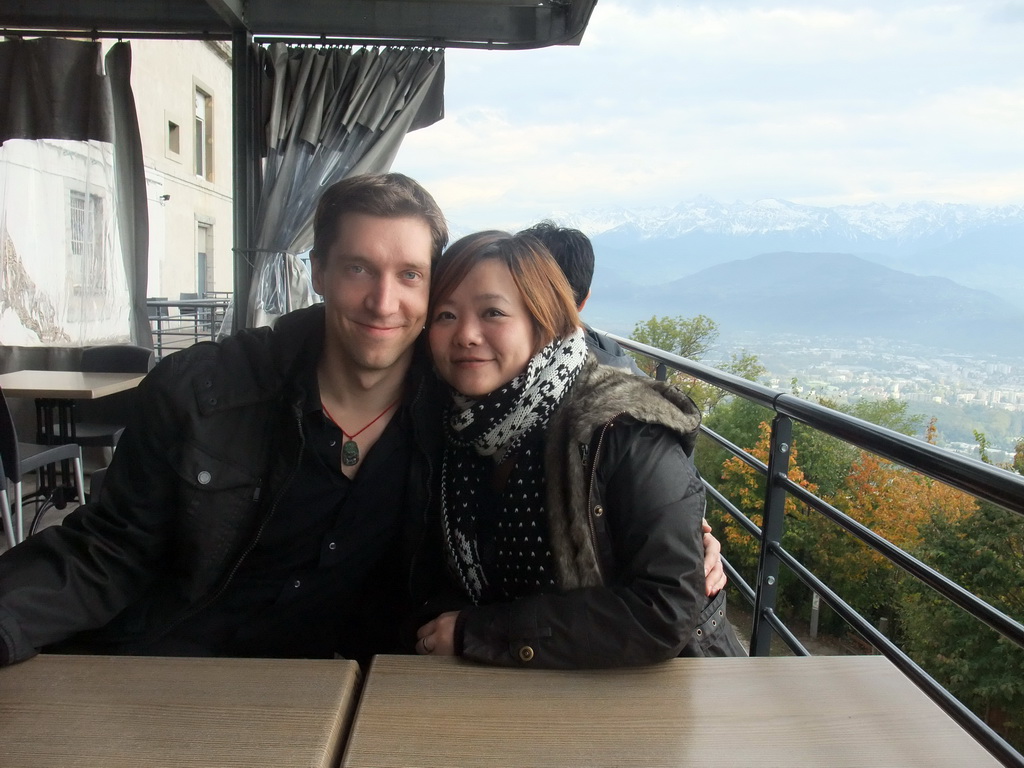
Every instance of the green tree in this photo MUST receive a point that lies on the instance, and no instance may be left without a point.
(982, 441)
(738, 421)
(984, 553)
(690, 337)
(896, 503)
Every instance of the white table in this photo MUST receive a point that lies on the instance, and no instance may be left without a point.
(56, 391)
(817, 711)
(67, 385)
(109, 712)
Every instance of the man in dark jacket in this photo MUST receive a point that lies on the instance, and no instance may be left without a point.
(575, 255)
(269, 484)
(267, 499)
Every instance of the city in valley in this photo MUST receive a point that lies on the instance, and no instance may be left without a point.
(964, 391)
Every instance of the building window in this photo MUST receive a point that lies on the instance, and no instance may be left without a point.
(173, 137)
(87, 271)
(204, 260)
(204, 135)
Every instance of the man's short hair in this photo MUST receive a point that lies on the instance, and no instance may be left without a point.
(572, 250)
(388, 195)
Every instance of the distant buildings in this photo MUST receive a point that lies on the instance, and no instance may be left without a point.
(183, 97)
(845, 372)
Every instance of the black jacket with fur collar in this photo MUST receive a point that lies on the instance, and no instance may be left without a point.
(625, 505)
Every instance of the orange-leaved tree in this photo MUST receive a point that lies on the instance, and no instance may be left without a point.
(896, 503)
(745, 487)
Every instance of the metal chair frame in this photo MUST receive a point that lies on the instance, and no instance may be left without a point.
(19, 459)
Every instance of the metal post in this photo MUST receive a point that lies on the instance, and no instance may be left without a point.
(772, 529)
(243, 164)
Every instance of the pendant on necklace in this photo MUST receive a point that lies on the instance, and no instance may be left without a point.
(349, 453)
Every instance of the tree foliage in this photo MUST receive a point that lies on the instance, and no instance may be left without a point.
(827, 460)
(984, 553)
(745, 487)
(896, 503)
(690, 337)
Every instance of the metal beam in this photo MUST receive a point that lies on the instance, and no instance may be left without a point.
(441, 23)
(244, 159)
(232, 11)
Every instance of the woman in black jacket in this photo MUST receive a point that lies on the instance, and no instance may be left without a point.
(570, 509)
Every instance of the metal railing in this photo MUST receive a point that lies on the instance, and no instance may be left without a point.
(177, 324)
(980, 480)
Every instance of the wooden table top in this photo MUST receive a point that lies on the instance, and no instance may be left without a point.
(816, 711)
(67, 385)
(108, 712)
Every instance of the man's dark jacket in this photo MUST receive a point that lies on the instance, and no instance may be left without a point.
(197, 473)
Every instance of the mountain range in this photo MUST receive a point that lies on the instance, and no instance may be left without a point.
(948, 276)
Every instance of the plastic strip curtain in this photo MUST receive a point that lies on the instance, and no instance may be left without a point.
(332, 112)
(62, 273)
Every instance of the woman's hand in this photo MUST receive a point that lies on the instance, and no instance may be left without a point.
(714, 573)
(437, 637)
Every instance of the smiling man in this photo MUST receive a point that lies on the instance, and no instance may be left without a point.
(261, 500)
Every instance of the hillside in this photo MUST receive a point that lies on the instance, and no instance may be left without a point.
(980, 248)
(828, 294)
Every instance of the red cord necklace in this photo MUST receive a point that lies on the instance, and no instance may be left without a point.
(350, 449)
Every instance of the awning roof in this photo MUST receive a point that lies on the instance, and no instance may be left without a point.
(444, 23)
(512, 24)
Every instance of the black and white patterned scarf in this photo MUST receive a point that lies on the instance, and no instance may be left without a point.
(497, 541)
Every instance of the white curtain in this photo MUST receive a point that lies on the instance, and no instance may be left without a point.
(331, 112)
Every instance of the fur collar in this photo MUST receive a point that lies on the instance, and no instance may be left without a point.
(600, 395)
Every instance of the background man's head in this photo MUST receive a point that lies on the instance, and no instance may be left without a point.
(386, 195)
(573, 252)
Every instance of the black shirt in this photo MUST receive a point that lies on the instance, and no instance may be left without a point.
(300, 591)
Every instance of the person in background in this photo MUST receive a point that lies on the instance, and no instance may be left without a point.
(574, 253)
(569, 510)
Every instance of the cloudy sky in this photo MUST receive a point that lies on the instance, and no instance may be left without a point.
(821, 103)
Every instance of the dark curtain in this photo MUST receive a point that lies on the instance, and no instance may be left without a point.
(53, 88)
(328, 113)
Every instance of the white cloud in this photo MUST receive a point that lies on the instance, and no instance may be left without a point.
(814, 102)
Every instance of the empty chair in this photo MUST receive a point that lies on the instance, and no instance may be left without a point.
(101, 422)
(17, 460)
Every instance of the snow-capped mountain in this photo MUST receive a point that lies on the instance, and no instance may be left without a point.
(948, 274)
(908, 221)
(980, 248)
